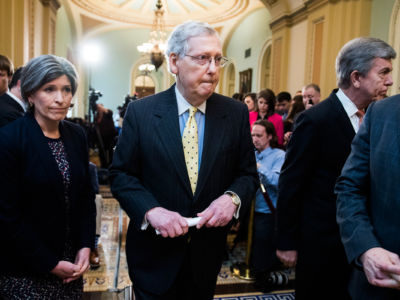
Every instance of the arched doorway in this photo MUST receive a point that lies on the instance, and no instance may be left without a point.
(144, 86)
(230, 82)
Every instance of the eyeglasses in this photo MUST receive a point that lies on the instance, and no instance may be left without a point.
(205, 60)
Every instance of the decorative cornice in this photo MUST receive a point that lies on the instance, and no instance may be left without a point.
(294, 17)
(53, 4)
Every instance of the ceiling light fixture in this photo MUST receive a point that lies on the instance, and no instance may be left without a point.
(156, 44)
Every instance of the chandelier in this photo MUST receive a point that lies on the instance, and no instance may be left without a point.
(146, 68)
(156, 44)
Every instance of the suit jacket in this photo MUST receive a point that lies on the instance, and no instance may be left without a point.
(306, 210)
(10, 110)
(149, 170)
(32, 202)
(368, 193)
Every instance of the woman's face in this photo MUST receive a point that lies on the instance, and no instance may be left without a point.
(52, 100)
(262, 105)
(250, 103)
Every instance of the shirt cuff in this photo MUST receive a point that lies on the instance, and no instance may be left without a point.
(236, 214)
(145, 223)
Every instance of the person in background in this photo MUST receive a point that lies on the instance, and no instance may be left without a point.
(250, 100)
(311, 95)
(269, 162)
(283, 102)
(295, 109)
(94, 181)
(47, 211)
(105, 123)
(12, 106)
(238, 96)
(6, 73)
(266, 111)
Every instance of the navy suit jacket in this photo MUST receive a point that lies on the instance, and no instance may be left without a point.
(32, 202)
(368, 191)
(10, 110)
(149, 170)
(306, 206)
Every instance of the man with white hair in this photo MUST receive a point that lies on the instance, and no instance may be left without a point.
(307, 230)
(183, 169)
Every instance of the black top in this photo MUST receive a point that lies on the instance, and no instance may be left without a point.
(33, 208)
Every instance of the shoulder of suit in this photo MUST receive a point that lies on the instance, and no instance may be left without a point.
(227, 102)
(391, 103)
(73, 127)
(326, 108)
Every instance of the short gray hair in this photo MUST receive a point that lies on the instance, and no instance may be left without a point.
(43, 69)
(358, 54)
(178, 40)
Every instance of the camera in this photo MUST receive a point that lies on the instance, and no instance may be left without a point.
(94, 95)
(128, 99)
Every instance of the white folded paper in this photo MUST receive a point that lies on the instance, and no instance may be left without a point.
(191, 222)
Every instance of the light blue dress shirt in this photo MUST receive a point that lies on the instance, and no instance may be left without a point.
(271, 161)
(183, 112)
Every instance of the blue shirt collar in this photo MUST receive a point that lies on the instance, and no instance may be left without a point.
(184, 106)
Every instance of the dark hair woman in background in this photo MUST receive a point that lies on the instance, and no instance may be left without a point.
(266, 111)
(47, 211)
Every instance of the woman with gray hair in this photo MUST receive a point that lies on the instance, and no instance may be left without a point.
(47, 212)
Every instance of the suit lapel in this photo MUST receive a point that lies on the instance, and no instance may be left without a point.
(42, 149)
(214, 132)
(167, 128)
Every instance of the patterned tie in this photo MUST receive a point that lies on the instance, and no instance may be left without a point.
(360, 114)
(190, 143)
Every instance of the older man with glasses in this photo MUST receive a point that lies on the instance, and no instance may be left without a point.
(182, 170)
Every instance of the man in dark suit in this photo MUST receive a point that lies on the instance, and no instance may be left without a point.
(368, 204)
(184, 157)
(12, 106)
(307, 230)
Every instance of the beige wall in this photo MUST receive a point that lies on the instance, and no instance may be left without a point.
(322, 27)
(297, 55)
(27, 28)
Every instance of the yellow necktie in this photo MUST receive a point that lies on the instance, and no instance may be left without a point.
(190, 143)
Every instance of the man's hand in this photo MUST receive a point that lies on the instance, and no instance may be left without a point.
(168, 223)
(382, 267)
(218, 214)
(288, 258)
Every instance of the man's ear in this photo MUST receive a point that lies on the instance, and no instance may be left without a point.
(173, 63)
(355, 79)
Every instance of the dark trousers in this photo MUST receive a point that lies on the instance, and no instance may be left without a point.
(322, 270)
(263, 255)
(184, 287)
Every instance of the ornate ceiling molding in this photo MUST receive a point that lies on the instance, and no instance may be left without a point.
(54, 4)
(137, 12)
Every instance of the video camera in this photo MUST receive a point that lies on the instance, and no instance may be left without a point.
(94, 95)
(128, 99)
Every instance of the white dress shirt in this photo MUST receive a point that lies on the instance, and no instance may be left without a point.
(350, 109)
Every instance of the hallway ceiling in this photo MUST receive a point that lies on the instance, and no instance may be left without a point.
(137, 12)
